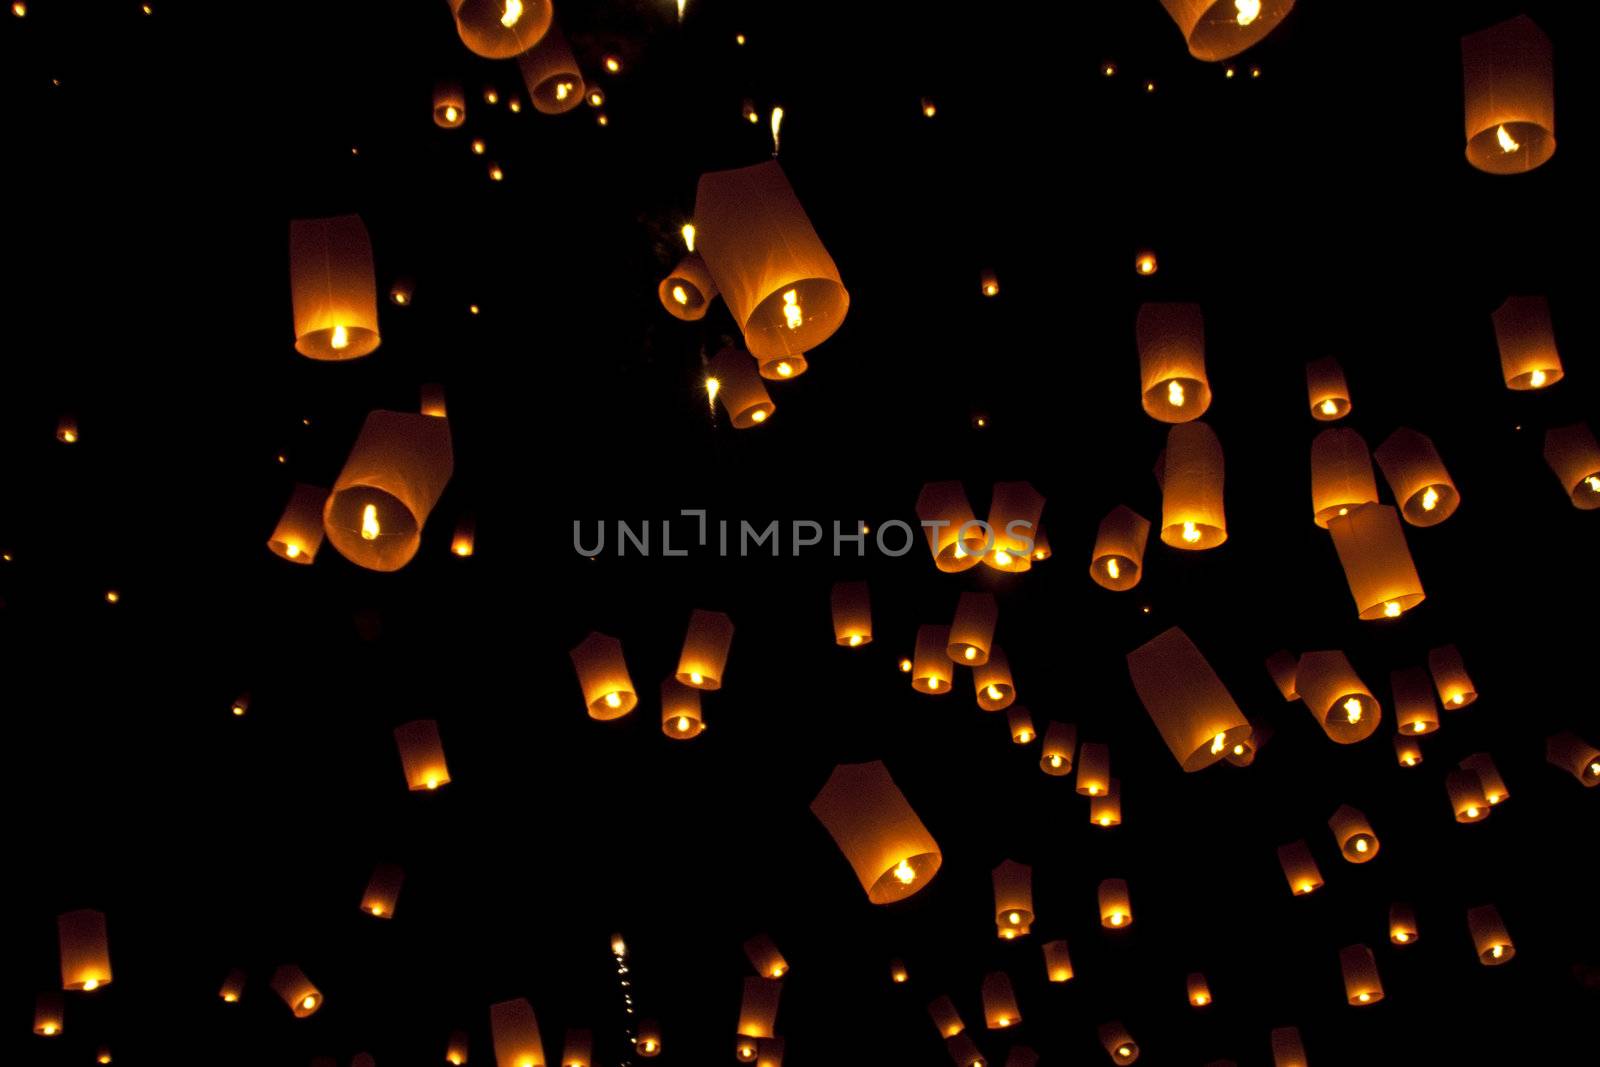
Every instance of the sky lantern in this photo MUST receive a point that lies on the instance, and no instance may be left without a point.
(455, 1052)
(705, 649)
(1243, 753)
(852, 614)
(1094, 769)
(1338, 699)
(383, 890)
(1341, 474)
(764, 956)
(681, 718)
(1415, 711)
(1283, 665)
(577, 1049)
(392, 478)
(549, 70)
(687, 292)
(1014, 512)
(1020, 722)
(758, 1012)
(1574, 455)
(1105, 809)
(739, 388)
(954, 536)
(515, 1032)
(993, 683)
(988, 282)
(1041, 544)
(1353, 834)
(85, 950)
(1489, 936)
(1199, 990)
(1450, 677)
(1287, 1049)
(67, 429)
(334, 286)
(1407, 750)
(892, 853)
(1467, 798)
(1361, 983)
(299, 532)
(1299, 868)
(1494, 786)
(1528, 356)
(999, 1001)
(500, 29)
(964, 1051)
(1509, 80)
(1060, 740)
(1057, 963)
(769, 1052)
(897, 972)
(1172, 361)
(1118, 557)
(232, 986)
(1118, 1043)
(296, 990)
(607, 689)
(1417, 477)
(1188, 703)
(1221, 29)
(1116, 908)
(1377, 563)
(1330, 396)
(945, 1017)
(48, 1014)
(431, 400)
(1575, 756)
(449, 106)
(648, 1042)
(1402, 924)
(930, 669)
(463, 541)
(972, 629)
(1191, 488)
(422, 755)
(1013, 896)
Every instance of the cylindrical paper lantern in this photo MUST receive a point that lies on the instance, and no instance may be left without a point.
(296, 990)
(783, 368)
(765, 957)
(455, 1053)
(391, 480)
(1020, 723)
(972, 629)
(67, 429)
(431, 400)
(955, 538)
(1299, 868)
(945, 1017)
(1414, 709)
(1574, 455)
(1510, 96)
(1528, 356)
(551, 74)
(897, 972)
(85, 951)
(869, 818)
(400, 293)
(999, 1002)
(48, 1014)
(1094, 769)
(1407, 750)
(852, 614)
(1172, 361)
(1191, 489)
(648, 1042)
(964, 1051)
(1354, 834)
(988, 282)
(745, 399)
(1330, 396)
(1186, 700)
(449, 106)
(1199, 990)
(1466, 795)
(769, 1052)
(1575, 756)
(931, 670)
(607, 689)
(232, 986)
(1494, 786)
(1361, 984)
(687, 292)
(1116, 908)
(1377, 564)
(1402, 924)
(1118, 558)
(778, 280)
(1118, 1043)
(463, 541)
(578, 1049)
(1450, 677)
(1340, 701)
(383, 890)
(1013, 894)
(1041, 544)
(681, 718)
(1489, 936)
(1417, 477)
(334, 286)
(421, 755)
(1287, 1049)
(993, 683)
(705, 649)
(1060, 739)
(1341, 474)
(1057, 964)
(1283, 665)
(515, 1032)
(1014, 511)
(758, 1008)
(1105, 809)
(500, 29)
(1220, 29)
(299, 532)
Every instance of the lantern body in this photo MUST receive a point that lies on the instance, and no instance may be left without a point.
(972, 629)
(232, 986)
(992, 681)
(743, 396)
(868, 817)
(85, 951)
(483, 29)
(334, 288)
(1105, 809)
(988, 280)
(705, 649)
(1299, 868)
(515, 1032)
(422, 755)
(455, 1053)
(1417, 477)
(1186, 700)
(463, 542)
(578, 1049)
(1116, 909)
(1528, 356)
(681, 718)
(1494, 786)
(930, 669)
(400, 293)
(1377, 564)
(1057, 963)
(852, 614)
(1361, 983)
(1094, 769)
(1325, 385)
(1199, 990)
(1118, 559)
(1287, 1049)
(296, 990)
(1283, 665)
(431, 400)
(945, 1017)
(48, 1014)
(1341, 474)
(391, 480)
(778, 280)
(1450, 677)
(1191, 489)
(607, 689)
(1014, 512)
(551, 73)
(1215, 30)
(1575, 756)
(765, 957)
(1402, 924)
(782, 368)
(383, 890)
(999, 1002)
(1060, 739)
(769, 1052)
(955, 538)
(449, 107)
(299, 532)
(1407, 750)
(1013, 895)
(964, 1051)
(687, 292)
(1340, 701)
(1489, 936)
(648, 1042)
(1466, 795)
(1172, 361)
(758, 1007)
(1118, 1043)
(1414, 709)
(897, 972)
(1020, 723)
(1574, 455)
(1509, 81)
(1353, 833)
(67, 430)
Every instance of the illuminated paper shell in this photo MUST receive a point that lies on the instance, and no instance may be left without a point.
(1094, 769)
(1172, 361)
(515, 1033)
(1118, 1043)
(964, 1052)
(745, 399)
(1402, 924)
(398, 467)
(1575, 756)
(955, 539)
(1338, 699)
(1574, 455)
(1060, 739)
(1494, 786)
(232, 986)
(1325, 385)
(1199, 990)
(1191, 488)
(972, 629)
(992, 682)
(1407, 750)
(758, 1008)
(892, 853)
(681, 718)
(431, 400)
(85, 950)
(299, 532)
(422, 755)
(1188, 703)
(945, 1017)
(1116, 909)
(48, 1015)
(852, 614)
(1361, 983)
(1105, 809)
(1489, 937)
(1353, 833)
(555, 84)
(931, 669)
(455, 1053)
(1415, 712)
(383, 890)
(1215, 29)
(1528, 356)
(897, 972)
(1417, 477)
(705, 649)
(603, 675)
(687, 292)
(1377, 563)
(483, 29)
(1450, 677)
(1014, 512)
(1287, 1049)
(1013, 894)
(1466, 795)
(334, 288)
(648, 1042)
(764, 956)
(449, 108)
(1509, 82)
(1299, 868)
(1118, 558)
(999, 1001)
(1341, 474)
(296, 990)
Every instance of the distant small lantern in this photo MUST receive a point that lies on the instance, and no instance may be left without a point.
(897, 972)
(758, 1009)
(1172, 361)
(1188, 703)
(1407, 750)
(1020, 723)
(1417, 477)
(1116, 909)
(892, 853)
(1495, 790)
(1287, 1048)
(296, 990)
(392, 478)
(999, 1001)
(1361, 983)
(1192, 513)
(1094, 769)
(929, 108)
(578, 1049)
(85, 950)
(1299, 868)
(931, 670)
(769, 1052)
(955, 538)
(1221, 29)
(232, 986)
(402, 292)
(500, 29)
(1489, 936)
(463, 541)
(1145, 263)
(1353, 834)
(1341, 474)
(455, 1053)
(422, 755)
(383, 890)
(555, 84)
(972, 629)
(514, 1030)
(603, 675)
(964, 1051)
(1118, 1043)
(743, 396)
(1510, 97)
(1574, 455)
(1450, 677)
(1330, 396)
(649, 1040)
(1338, 699)
(1402, 924)
(1117, 561)
(1060, 739)
(993, 683)
(1199, 990)
(1575, 756)
(1041, 544)
(334, 286)
(764, 956)
(67, 429)
(1377, 562)
(1415, 712)
(1014, 512)
(48, 1015)
(241, 704)
(988, 282)
(104, 1053)
(705, 649)
(449, 105)
(1283, 665)
(1057, 963)
(1466, 795)
(1105, 809)
(852, 614)
(299, 532)
(945, 1017)
(1528, 356)
(1013, 896)
(687, 292)
(681, 718)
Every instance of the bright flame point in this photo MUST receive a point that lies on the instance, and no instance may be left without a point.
(513, 13)
(1248, 10)
(904, 874)
(1352, 710)
(340, 338)
(1507, 145)
(369, 523)
(1175, 393)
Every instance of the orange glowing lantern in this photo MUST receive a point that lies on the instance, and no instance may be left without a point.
(892, 853)
(1528, 356)
(578, 1049)
(1361, 983)
(85, 951)
(1450, 677)
(1417, 477)
(1057, 963)
(897, 972)
(1094, 769)
(455, 1053)
(1489, 936)
(1116, 908)
(758, 1010)
(1574, 455)
(1013, 897)
(1014, 511)
(1510, 97)
(1060, 739)
(999, 1001)
(500, 29)
(1575, 756)
(383, 890)
(394, 475)
(431, 400)
(67, 429)
(743, 396)
(1221, 29)
(299, 532)
(47, 1015)
(687, 292)
(1402, 924)
(1377, 564)
(463, 540)
(1299, 868)
(1341, 474)
(1118, 558)
(681, 718)
(956, 539)
(421, 755)
(764, 956)
(993, 682)
(515, 1032)
(296, 990)
(232, 986)
(449, 105)
(603, 675)
(1105, 809)
(1283, 665)
(648, 1042)
(1145, 263)
(1354, 834)
(705, 649)
(1188, 703)
(964, 1051)
(852, 614)
(988, 282)
(401, 292)
(1337, 697)
(1020, 723)
(930, 670)
(1287, 1049)
(945, 1017)
(1041, 544)
(1118, 1043)
(1199, 990)
(555, 84)
(1494, 786)
(1325, 384)
(1407, 750)
(1466, 795)
(1414, 709)
(1191, 488)
(334, 286)
(1243, 753)
(1172, 361)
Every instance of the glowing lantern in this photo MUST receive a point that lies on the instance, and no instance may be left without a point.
(1118, 1043)
(232, 986)
(67, 430)
(1417, 477)
(687, 292)
(1105, 809)
(758, 1010)
(104, 1054)
(1014, 510)
(1172, 361)
(972, 629)
(500, 29)
(1013, 896)
(383, 890)
(1145, 263)
(1354, 834)
(334, 287)
(1489, 936)
(964, 1051)
(299, 532)
(1199, 990)
(1361, 983)
(1221, 29)
(1094, 769)
(930, 670)
(765, 957)
(1402, 924)
(391, 480)
(461, 542)
(421, 755)
(649, 1040)
(1060, 738)
(897, 972)
(296, 990)
(607, 689)
(774, 273)
(455, 1053)
(705, 649)
(1191, 489)
(955, 538)
(1510, 97)
(515, 1032)
(869, 819)
(400, 293)
(1494, 786)
(1414, 709)
(85, 952)
(1299, 868)
(1041, 544)
(449, 105)
(988, 282)
(681, 718)
(1116, 909)
(999, 1002)
(1407, 750)
(1057, 964)
(1287, 1049)
(555, 84)
(1338, 699)
(784, 368)
(1450, 677)
(741, 392)
(1118, 559)
(1466, 795)
(1575, 756)
(993, 683)
(769, 1052)
(945, 1017)
(1377, 564)
(1528, 356)
(1186, 700)
(47, 1014)
(852, 614)
(1283, 665)
(929, 108)
(1574, 455)
(431, 400)
(1330, 396)
(1341, 474)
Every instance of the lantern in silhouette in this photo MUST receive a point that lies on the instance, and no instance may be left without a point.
(449, 106)
(1116, 910)
(1014, 511)
(1118, 1043)
(1528, 356)
(765, 957)
(1057, 964)
(299, 532)
(1105, 809)
(972, 629)
(1377, 564)
(421, 755)
(555, 84)
(1199, 990)
(1191, 488)
(47, 1014)
(955, 538)
(390, 481)
(1013, 895)
(1299, 868)
(455, 1053)
(869, 819)
(1450, 677)
(334, 286)
(85, 951)
(705, 649)
(607, 689)
(778, 280)
(1575, 756)
(1489, 936)
(1361, 984)
(988, 282)
(1287, 1050)
(1330, 396)
(1353, 833)
(1510, 97)
(1041, 544)
(1118, 558)
(1094, 769)
(1341, 474)
(1407, 750)
(1060, 739)
(1466, 795)
(681, 718)
(648, 1042)
(687, 292)
(739, 388)
(999, 1002)
(232, 986)
(1172, 361)
(993, 682)
(1494, 786)
(383, 890)
(931, 670)
(1020, 723)
(945, 1017)
(1417, 477)
(852, 614)
(1574, 455)
(1402, 924)
(1186, 700)
(578, 1049)
(1283, 665)
(1414, 709)
(515, 1032)
(296, 990)
(1340, 701)
(758, 1012)
(1220, 29)
(964, 1052)
(500, 29)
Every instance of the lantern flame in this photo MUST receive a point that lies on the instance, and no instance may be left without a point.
(680, 295)
(777, 121)
(855, 639)
(1112, 569)
(369, 523)
(1352, 710)
(1536, 379)
(1055, 761)
(683, 4)
(793, 317)
(904, 874)
(1330, 407)
(292, 551)
(1472, 812)
(758, 415)
(1248, 10)
(785, 369)
(90, 985)
(994, 692)
(613, 700)
(683, 724)
(513, 13)
(1175, 393)
(563, 90)
(1003, 558)
(340, 338)
(1190, 533)
(308, 1003)
(450, 113)
(1497, 951)
(1430, 499)
(1420, 727)
(712, 385)
(696, 677)
(1507, 145)
(1361, 844)
(1218, 742)
(1391, 609)
(1593, 482)
(970, 653)
(688, 235)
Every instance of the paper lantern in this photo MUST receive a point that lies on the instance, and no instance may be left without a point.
(1172, 361)
(383, 890)
(603, 675)
(47, 1014)
(1020, 723)
(1353, 833)
(945, 1017)
(465, 537)
(296, 990)
(769, 1052)
(758, 1008)
(964, 1052)
(1402, 924)
(1575, 756)
(334, 288)
(852, 614)
(1186, 700)
(449, 107)
(1118, 1043)
(299, 532)
(1510, 97)
(431, 400)
(1013, 895)
(1057, 963)
(1407, 750)
(993, 682)
(1105, 809)
(1341, 474)
(1014, 511)
(455, 1053)
(1118, 558)
(1361, 983)
(421, 755)
(1283, 665)
(1220, 29)
(1574, 455)
(705, 649)
(1489, 936)
(1330, 396)
(500, 29)
(681, 718)
(1041, 544)
(1145, 263)
(972, 629)
(391, 480)
(515, 1032)
(1528, 356)
(765, 957)
(930, 669)
(1199, 990)
(988, 282)
(1287, 1050)
(1094, 769)
(1417, 477)
(555, 84)
(67, 430)
(687, 292)
(232, 986)
(1060, 738)
(955, 538)
(999, 1002)
(1116, 909)
(400, 293)
(648, 1042)
(85, 951)
(104, 1054)
(897, 972)
(1466, 795)
(1339, 700)
(1377, 564)
(743, 396)
(1191, 489)
(1299, 868)
(776, 277)
(869, 819)
(1494, 786)
(1450, 677)
(1414, 709)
